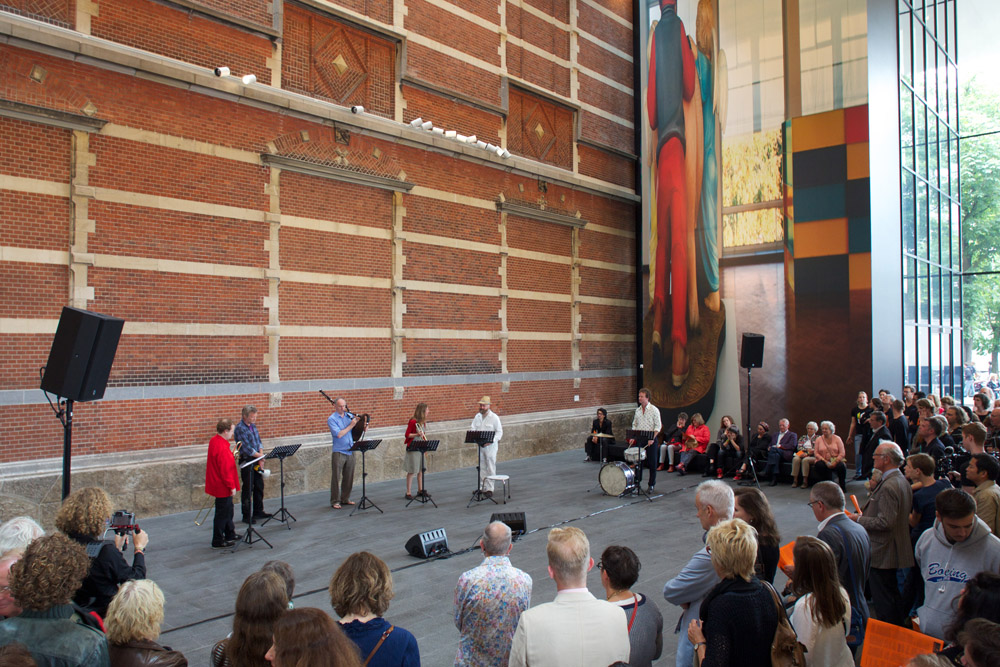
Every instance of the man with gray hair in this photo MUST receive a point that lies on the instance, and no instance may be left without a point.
(8, 605)
(489, 601)
(576, 629)
(886, 518)
(17, 533)
(715, 502)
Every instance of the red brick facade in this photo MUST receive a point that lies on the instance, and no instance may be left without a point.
(264, 234)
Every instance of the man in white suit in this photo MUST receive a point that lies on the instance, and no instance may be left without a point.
(576, 629)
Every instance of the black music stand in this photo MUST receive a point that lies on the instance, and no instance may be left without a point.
(642, 436)
(281, 453)
(365, 502)
(251, 535)
(481, 439)
(422, 446)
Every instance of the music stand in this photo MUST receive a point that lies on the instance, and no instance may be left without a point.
(281, 453)
(251, 535)
(642, 436)
(363, 446)
(422, 446)
(482, 439)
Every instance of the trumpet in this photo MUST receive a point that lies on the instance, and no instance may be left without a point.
(198, 519)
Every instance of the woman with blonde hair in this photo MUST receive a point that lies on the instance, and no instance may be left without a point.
(133, 626)
(262, 600)
(412, 463)
(739, 616)
(822, 613)
(360, 591)
(84, 516)
(308, 637)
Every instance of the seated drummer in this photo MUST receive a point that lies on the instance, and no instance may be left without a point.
(593, 445)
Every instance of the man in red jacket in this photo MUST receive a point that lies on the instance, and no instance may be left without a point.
(223, 482)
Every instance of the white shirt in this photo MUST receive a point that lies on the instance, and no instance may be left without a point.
(488, 423)
(822, 524)
(648, 420)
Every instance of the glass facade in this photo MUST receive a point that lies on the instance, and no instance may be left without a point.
(931, 199)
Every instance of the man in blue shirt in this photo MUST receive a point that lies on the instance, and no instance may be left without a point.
(341, 458)
(251, 477)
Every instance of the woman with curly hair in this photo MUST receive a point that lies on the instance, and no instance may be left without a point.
(43, 582)
(84, 516)
(360, 591)
(308, 637)
(133, 626)
(262, 600)
(752, 507)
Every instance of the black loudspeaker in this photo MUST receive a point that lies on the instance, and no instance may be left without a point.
(425, 545)
(752, 352)
(516, 521)
(81, 356)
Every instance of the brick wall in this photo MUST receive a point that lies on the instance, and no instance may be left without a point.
(238, 278)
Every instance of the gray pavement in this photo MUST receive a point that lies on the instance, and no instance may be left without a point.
(201, 583)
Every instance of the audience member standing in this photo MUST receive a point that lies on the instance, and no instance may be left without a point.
(17, 533)
(714, 502)
(919, 471)
(885, 517)
(133, 624)
(576, 629)
(822, 613)
(489, 601)
(899, 426)
(619, 568)
(983, 471)
(859, 424)
(979, 599)
(959, 546)
(261, 601)
(877, 432)
(752, 506)
(43, 582)
(739, 615)
(308, 637)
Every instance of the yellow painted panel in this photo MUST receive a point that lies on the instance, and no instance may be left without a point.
(821, 238)
(818, 131)
(857, 161)
(860, 267)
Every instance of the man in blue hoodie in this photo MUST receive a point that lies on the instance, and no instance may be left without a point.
(958, 547)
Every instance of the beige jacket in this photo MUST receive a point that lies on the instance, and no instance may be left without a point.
(987, 497)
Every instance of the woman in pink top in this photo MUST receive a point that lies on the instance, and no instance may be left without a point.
(830, 454)
(696, 439)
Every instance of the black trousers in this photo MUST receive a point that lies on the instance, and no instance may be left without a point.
(886, 598)
(222, 526)
(252, 484)
(825, 473)
(652, 454)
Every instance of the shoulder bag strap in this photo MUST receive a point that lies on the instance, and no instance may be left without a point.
(850, 561)
(378, 646)
(635, 607)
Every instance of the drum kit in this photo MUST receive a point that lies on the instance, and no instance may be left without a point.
(618, 478)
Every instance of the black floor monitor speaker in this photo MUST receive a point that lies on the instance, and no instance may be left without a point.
(81, 356)
(425, 545)
(516, 520)
(752, 351)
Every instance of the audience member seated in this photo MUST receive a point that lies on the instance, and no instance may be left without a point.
(360, 591)
(17, 533)
(965, 545)
(780, 451)
(979, 599)
(576, 628)
(760, 442)
(8, 605)
(752, 506)
(830, 454)
(308, 637)
(43, 582)
(803, 459)
(713, 448)
(619, 568)
(672, 442)
(730, 453)
(696, 439)
(594, 445)
(84, 517)
(739, 616)
(133, 624)
(283, 570)
(981, 640)
(260, 603)
(983, 471)
(822, 613)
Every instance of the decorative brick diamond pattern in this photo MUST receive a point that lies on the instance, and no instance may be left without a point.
(321, 147)
(51, 11)
(540, 129)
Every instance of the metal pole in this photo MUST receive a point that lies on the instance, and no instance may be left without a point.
(67, 446)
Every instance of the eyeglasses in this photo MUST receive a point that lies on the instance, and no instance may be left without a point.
(4, 589)
(812, 502)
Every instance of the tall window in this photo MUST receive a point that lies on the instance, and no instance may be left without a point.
(931, 200)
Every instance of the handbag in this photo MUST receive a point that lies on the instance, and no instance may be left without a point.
(855, 633)
(786, 649)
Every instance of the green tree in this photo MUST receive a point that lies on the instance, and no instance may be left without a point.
(980, 171)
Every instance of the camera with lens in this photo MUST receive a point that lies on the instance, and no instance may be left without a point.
(123, 522)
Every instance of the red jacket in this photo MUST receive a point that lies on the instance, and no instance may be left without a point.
(220, 473)
(701, 434)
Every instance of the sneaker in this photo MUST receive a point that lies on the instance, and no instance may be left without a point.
(719, 475)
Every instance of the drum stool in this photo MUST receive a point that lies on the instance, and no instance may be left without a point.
(505, 480)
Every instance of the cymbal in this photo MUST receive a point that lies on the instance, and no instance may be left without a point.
(601, 435)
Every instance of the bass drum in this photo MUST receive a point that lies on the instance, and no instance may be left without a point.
(616, 478)
(359, 429)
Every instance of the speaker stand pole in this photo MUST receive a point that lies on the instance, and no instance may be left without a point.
(66, 417)
(749, 454)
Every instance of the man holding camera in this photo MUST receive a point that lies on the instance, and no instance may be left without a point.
(251, 476)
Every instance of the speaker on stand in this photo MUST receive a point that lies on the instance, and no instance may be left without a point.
(751, 356)
(78, 367)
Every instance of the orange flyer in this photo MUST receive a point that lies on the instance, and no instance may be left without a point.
(889, 645)
(785, 557)
(854, 499)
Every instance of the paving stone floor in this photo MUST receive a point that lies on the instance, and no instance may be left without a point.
(201, 584)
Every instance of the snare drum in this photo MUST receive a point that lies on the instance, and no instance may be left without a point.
(635, 454)
(616, 478)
